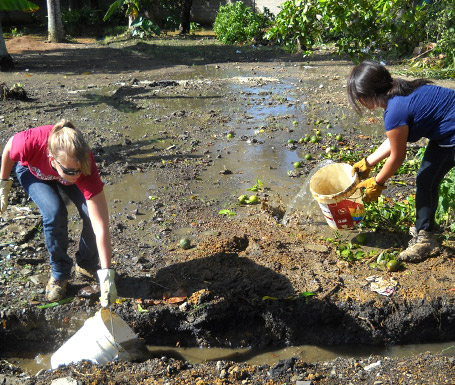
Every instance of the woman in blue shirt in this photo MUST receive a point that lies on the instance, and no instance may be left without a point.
(412, 110)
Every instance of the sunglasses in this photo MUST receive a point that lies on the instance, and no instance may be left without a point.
(68, 171)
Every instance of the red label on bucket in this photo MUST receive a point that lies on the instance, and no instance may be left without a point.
(345, 214)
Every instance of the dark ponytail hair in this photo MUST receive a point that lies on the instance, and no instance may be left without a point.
(371, 80)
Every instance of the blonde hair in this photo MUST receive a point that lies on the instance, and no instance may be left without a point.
(66, 141)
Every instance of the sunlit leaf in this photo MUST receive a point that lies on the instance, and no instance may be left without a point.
(140, 309)
(18, 5)
(229, 213)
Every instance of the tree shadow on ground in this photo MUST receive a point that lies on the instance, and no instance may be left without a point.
(141, 55)
(122, 98)
(239, 303)
(225, 274)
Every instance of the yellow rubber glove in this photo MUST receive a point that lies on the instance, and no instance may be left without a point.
(5, 186)
(362, 169)
(372, 190)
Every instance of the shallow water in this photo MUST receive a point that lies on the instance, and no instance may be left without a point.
(253, 153)
(307, 353)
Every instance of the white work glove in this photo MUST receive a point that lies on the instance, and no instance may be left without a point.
(107, 287)
(5, 186)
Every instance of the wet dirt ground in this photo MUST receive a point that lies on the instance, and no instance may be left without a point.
(157, 116)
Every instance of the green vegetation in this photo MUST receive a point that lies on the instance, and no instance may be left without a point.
(237, 23)
(257, 187)
(387, 260)
(445, 214)
(297, 26)
(389, 214)
(359, 28)
(437, 52)
(348, 250)
(74, 19)
(227, 212)
(398, 216)
(144, 28)
(18, 5)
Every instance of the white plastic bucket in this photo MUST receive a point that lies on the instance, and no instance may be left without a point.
(334, 188)
(98, 341)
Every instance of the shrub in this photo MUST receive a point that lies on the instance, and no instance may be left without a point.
(237, 23)
(359, 28)
(75, 18)
(144, 28)
(297, 26)
(440, 28)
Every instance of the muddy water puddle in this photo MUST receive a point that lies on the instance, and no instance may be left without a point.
(262, 114)
(254, 152)
(32, 364)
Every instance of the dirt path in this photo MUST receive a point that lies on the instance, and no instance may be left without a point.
(246, 280)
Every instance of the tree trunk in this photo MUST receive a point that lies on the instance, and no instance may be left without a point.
(6, 62)
(185, 16)
(56, 33)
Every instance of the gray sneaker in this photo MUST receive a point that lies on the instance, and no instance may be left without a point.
(420, 247)
(55, 289)
(83, 274)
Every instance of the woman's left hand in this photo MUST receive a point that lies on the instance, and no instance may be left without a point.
(362, 168)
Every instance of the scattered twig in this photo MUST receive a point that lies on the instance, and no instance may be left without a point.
(367, 321)
(422, 54)
(83, 374)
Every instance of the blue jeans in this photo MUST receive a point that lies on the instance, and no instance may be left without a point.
(47, 195)
(436, 163)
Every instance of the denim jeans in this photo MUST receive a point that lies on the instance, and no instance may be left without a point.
(436, 163)
(47, 195)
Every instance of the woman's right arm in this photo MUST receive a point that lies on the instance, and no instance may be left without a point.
(7, 163)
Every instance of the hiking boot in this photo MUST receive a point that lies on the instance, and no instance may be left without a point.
(55, 289)
(423, 245)
(84, 274)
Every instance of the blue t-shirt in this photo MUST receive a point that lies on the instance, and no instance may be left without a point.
(429, 112)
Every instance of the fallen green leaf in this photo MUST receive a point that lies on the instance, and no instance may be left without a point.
(227, 212)
(140, 309)
(53, 304)
(266, 297)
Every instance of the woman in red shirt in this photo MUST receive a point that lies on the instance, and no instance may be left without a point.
(51, 161)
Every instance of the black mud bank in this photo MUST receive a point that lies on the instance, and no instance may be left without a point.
(237, 321)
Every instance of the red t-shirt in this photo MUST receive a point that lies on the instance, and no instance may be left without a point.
(30, 149)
